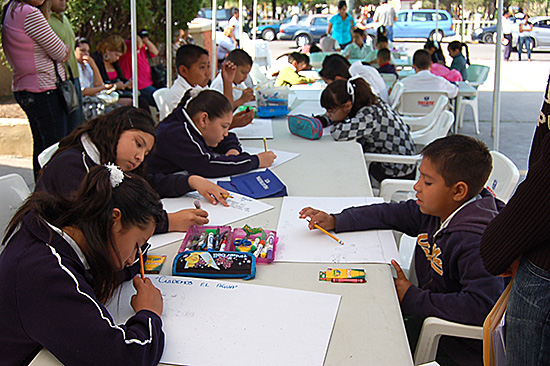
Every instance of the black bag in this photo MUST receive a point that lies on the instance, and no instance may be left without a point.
(158, 73)
(67, 91)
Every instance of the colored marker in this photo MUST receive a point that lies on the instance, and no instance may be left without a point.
(349, 280)
(326, 232)
(141, 265)
(197, 204)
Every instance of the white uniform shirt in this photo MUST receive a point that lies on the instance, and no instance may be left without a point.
(174, 95)
(217, 84)
(426, 81)
(372, 77)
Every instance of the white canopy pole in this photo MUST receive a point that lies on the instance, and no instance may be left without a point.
(254, 26)
(214, 62)
(437, 22)
(496, 92)
(462, 27)
(241, 15)
(169, 55)
(133, 29)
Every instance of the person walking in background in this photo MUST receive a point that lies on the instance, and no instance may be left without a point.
(235, 23)
(507, 35)
(525, 29)
(34, 52)
(61, 26)
(341, 25)
(385, 14)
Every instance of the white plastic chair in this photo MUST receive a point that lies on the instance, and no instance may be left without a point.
(417, 123)
(13, 191)
(439, 127)
(47, 154)
(477, 75)
(504, 176)
(257, 75)
(389, 79)
(395, 95)
(160, 99)
(418, 103)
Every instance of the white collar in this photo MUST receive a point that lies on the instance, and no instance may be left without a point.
(190, 121)
(72, 244)
(90, 148)
(184, 83)
(445, 223)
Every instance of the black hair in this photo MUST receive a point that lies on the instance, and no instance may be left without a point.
(298, 57)
(188, 54)
(438, 55)
(384, 54)
(79, 41)
(381, 38)
(422, 59)
(239, 57)
(335, 65)
(91, 211)
(341, 4)
(210, 101)
(105, 131)
(380, 31)
(336, 94)
(359, 32)
(457, 45)
(314, 49)
(461, 158)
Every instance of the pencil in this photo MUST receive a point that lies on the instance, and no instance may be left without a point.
(227, 196)
(265, 144)
(237, 88)
(326, 232)
(141, 266)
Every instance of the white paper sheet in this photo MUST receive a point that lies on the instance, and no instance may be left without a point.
(209, 323)
(258, 129)
(240, 207)
(282, 156)
(298, 244)
(309, 107)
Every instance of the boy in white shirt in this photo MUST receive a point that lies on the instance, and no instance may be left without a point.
(240, 93)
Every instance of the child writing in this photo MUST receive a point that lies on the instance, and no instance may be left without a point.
(383, 59)
(124, 136)
(289, 75)
(240, 93)
(460, 62)
(195, 139)
(357, 49)
(358, 114)
(62, 263)
(448, 218)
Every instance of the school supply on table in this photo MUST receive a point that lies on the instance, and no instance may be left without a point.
(265, 145)
(282, 156)
(343, 275)
(271, 101)
(304, 126)
(240, 207)
(258, 129)
(256, 185)
(215, 264)
(154, 263)
(372, 246)
(239, 323)
(141, 265)
(326, 232)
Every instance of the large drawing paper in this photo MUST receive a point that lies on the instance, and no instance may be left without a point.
(212, 323)
(240, 207)
(282, 156)
(258, 129)
(308, 108)
(298, 244)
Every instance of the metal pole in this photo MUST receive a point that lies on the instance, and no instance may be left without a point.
(496, 93)
(462, 28)
(254, 25)
(169, 56)
(133, 30)
(437, 20)
(214, 62)
(241, 16)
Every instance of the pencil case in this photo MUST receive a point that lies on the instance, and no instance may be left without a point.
(301, 125)
(214, 264)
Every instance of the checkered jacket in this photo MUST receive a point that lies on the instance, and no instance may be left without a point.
(379, 129)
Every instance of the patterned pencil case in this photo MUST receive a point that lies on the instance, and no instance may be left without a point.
(215, 264)
(304, 126)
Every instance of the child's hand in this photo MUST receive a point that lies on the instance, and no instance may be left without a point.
(212, 192)
(266, 159)
(242, 119)
(232, 152)
(247, 96)
(321, 218)
(148, 297)
(120, 85)
(402, 284)
(228, 71)
(181, 220)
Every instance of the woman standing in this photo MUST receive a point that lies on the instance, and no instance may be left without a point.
(34, 52)
(341, 25)
(525, 29)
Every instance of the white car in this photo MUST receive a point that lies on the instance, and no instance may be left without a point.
(540, 35)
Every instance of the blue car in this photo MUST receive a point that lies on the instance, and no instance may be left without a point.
(307, 31)
(419, 24)
(268, 32)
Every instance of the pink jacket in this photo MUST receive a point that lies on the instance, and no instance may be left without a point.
(445, 72)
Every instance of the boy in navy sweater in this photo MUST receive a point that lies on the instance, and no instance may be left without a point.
(448, 218)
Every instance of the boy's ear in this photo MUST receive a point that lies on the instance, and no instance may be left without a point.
(182, 69)
(461, 191)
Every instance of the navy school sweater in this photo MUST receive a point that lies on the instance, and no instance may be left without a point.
(47, 300)
(181, 148)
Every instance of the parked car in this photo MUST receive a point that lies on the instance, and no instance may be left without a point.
(540, 35)
(222, 16)
(309, 30)
(487, 34)
(419, 24)
(268, 32)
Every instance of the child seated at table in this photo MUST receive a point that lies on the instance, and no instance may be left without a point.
(460, 62)
(357, 49)
(195, 139)
(448, 218)
(384, 66)
(289, 74)
(358, 114)
(372, 56)
(61, 264)
(240, 93)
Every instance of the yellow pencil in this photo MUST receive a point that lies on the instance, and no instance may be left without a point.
(237, 88)
(227, 196)
(326, 232)
(141, 266)
(265, 144)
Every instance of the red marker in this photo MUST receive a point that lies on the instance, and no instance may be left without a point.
(349, 280)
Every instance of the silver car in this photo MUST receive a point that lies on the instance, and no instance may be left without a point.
(540, 35)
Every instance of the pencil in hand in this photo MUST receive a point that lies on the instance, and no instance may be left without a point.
(325, 232)
(141, 265)
(265, 144)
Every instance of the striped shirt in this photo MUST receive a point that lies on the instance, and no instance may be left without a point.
(30, 44)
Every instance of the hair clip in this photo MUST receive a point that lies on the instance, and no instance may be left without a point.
(116, 175)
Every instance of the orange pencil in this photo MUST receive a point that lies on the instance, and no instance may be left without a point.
(326, 232)
(141, 265)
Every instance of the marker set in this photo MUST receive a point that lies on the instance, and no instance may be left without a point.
(343, 275)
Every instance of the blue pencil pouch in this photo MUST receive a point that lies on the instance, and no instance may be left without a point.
(215, 264)
(304, 126)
